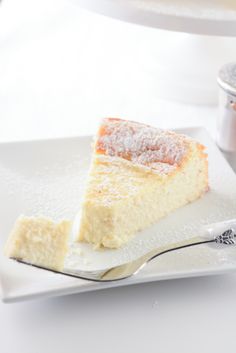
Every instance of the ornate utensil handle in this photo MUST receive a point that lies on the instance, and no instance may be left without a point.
(222, 232)
(227, 238)
(219, 233)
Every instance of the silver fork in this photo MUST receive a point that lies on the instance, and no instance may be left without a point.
(120, 272)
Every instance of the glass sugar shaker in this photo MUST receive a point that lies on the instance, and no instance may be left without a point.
(226, 129)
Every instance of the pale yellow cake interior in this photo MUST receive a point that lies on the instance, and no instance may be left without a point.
(39, 241)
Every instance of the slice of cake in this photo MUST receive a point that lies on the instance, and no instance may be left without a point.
(39, 241)
(138, 175)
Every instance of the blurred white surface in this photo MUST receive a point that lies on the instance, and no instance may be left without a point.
(61, 69)
(215, 17)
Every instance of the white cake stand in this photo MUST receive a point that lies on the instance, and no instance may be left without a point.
(186, 69)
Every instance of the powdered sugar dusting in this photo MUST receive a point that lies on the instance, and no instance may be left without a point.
(142, 144)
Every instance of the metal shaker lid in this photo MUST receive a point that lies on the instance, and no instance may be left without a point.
(227, 78)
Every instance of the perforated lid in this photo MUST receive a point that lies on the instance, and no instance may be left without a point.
(227, 78)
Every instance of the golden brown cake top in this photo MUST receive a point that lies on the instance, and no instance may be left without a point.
(142, 144)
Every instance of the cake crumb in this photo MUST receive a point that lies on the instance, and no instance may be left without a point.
(87, 262)
(79, 251)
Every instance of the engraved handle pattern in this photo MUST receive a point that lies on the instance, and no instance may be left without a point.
(227, 238)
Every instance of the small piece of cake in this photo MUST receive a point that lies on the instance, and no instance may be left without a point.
(39, 241)
(138, 175)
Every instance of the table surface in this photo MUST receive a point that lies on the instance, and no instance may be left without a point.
(51, 86)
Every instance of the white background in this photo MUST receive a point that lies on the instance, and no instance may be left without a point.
(61, 70)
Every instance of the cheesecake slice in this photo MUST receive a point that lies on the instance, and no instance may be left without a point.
(139, 174)
(39, 241)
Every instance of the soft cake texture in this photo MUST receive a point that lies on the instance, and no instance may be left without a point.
(138, 175)
(39, 241)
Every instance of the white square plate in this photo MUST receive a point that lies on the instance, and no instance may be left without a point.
(48, 178)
